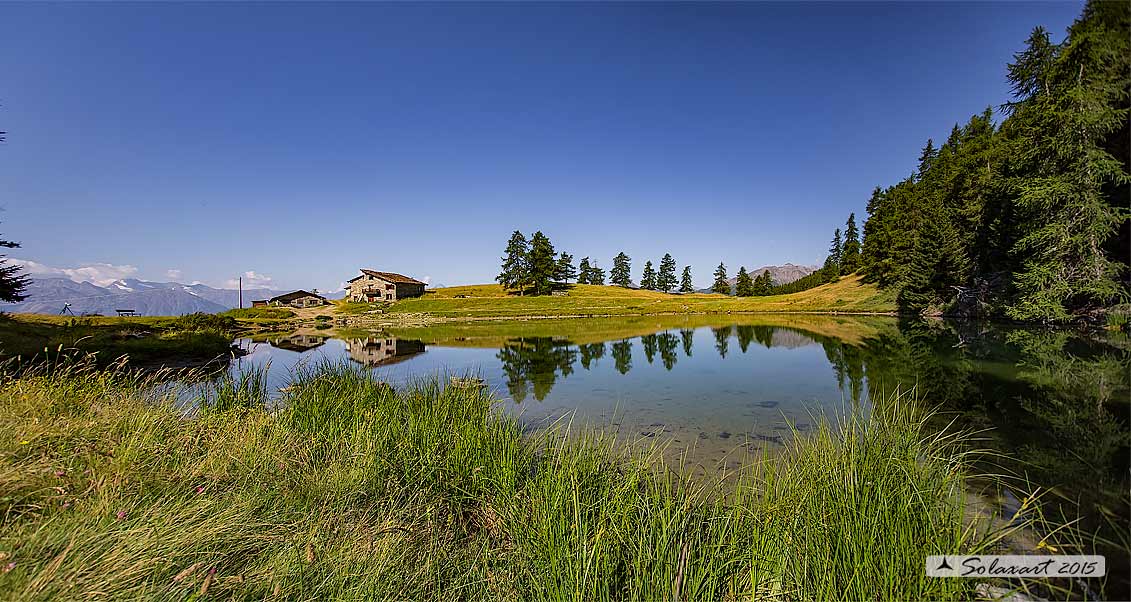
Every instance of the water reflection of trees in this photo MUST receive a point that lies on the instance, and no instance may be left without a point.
(590, 353)
(533, 365)
(648, 341)
(667, 342)
(1055, 402)
(622, 356)
(722, 340)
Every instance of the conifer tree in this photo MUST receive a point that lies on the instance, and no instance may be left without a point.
(648, 278)
(743, 286)
(927, 157)
(1072, 105)
(685, 285)
(850, 256)
(933, 272)
(515, 273)
(1028, 218)
(543, 265)
(13, 281)
(583, 270)
(721, 286)
(763, 283)
(596, 275)
(665, 280)
(621, 274)
(832, 261)
(565, 271)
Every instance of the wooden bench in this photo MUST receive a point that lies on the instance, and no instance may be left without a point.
(126, 313)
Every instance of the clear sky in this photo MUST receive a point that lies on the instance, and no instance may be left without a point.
(200, 141)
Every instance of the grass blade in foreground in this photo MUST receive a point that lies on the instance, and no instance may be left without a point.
(353, 490)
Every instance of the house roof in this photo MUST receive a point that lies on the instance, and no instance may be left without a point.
(287, 298)
(393, 277)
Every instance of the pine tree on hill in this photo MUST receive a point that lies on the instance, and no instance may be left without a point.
(648, 278)
(515, 273)
(743, 286)
(583, 270)
(721, 286)
(850, 256)
(543, 265)
(665, 280)
(832, 261)
(934, 269)
(621, 274)
(685, 285)
(1027, 217)
(596, 275)
(565, 271)
(764, 283)
(927, 157)
(1072, 103)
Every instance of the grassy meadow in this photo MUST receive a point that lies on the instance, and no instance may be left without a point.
(848, 295)
(351, 490)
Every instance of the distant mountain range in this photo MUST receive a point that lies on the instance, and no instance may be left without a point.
(780, 274)
(48, 296)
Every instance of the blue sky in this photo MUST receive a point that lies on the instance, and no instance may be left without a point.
(300, 142)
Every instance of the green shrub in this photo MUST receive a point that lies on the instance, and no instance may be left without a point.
(254, 313)
(203, 321)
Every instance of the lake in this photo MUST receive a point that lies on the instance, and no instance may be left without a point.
(715, 388)
(716, 391)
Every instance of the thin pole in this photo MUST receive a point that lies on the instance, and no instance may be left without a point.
(241, 292)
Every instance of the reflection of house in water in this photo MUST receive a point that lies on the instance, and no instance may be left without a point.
(378, 351)
(298, 342)
(790, 339)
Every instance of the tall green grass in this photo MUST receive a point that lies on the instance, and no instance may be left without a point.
(350, 489)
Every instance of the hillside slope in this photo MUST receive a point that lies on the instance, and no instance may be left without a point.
(848, 295)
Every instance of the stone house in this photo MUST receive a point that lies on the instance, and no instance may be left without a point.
(372, 286)
(297, 299)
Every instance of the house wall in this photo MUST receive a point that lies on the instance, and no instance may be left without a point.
(307, 302)
(388, 291)
(384, 288)
(405, 291)
(301, 302)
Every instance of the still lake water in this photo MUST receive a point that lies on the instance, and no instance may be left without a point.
(1055, 403)
(716, 387)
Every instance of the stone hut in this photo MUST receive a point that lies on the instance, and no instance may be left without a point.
(373, 286)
